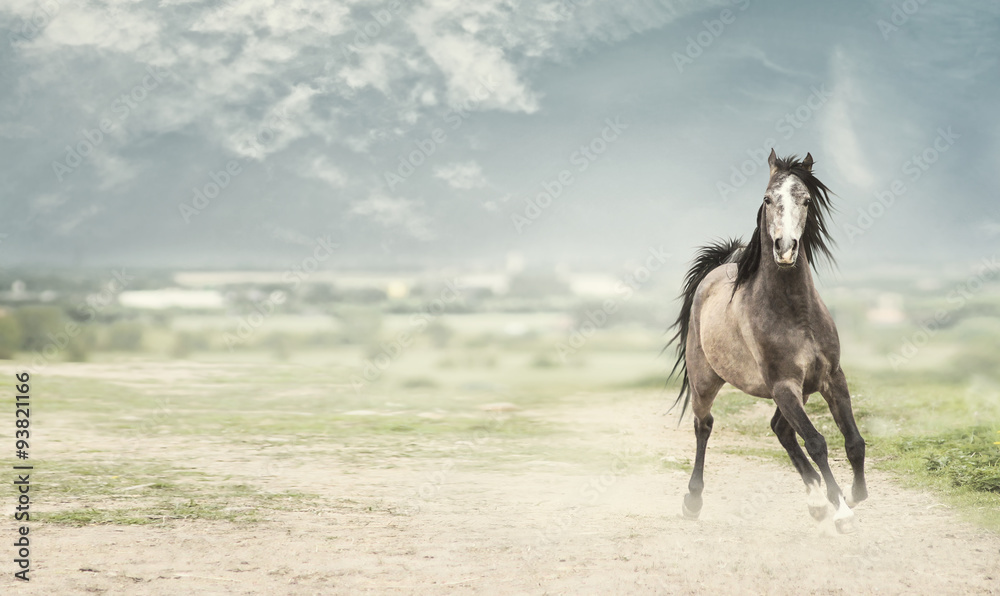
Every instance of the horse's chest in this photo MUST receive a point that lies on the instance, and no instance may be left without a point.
(812, 363)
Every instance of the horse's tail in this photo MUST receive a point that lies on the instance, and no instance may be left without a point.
(706, 259)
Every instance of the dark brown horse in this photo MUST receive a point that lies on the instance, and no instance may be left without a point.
(752, 317)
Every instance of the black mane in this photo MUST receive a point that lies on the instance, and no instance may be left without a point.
(816, 239)
(706, 259)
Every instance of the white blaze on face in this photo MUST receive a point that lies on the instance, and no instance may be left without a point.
(788, 208)
(790, 224)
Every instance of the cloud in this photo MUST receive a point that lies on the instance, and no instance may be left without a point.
(69, 222)
(839, 135)
(395, 213)
(114, 170)
(461, 175)
(107, 27)
(372, 69)
(321, 169)
(448, 32)
(284, 121)
(288, 235)
(17, 130)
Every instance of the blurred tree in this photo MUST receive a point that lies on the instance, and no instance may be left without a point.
(39, 324)
(10, 336)
(358, 324)
(76, 350)
(186, 342)
(125, 336)
(439, 333)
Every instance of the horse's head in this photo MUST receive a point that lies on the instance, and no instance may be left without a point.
(786, 208)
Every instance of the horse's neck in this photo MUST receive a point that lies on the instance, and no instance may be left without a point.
(793, 287)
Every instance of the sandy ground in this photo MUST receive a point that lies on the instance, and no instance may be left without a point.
(542, 526)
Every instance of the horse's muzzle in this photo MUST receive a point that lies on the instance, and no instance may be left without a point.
(786, 252)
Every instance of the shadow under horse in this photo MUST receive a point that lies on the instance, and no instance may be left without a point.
(751, 317)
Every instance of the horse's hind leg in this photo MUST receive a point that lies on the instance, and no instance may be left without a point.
(838, 397)
(705, 385)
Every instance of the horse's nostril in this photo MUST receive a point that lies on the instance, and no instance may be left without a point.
(795, 244)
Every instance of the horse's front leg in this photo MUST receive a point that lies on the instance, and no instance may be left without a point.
(838, 397)
(787, 396)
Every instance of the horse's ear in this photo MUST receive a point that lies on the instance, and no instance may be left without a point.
(772, 160)
(807, 163)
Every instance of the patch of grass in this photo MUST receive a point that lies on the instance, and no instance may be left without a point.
(682, 464)
(950, 465)
(134, 492)
(733, 403)
(89, 516)
(966, 458)
(230, 505)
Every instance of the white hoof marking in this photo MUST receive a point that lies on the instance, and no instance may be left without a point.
(844, 511)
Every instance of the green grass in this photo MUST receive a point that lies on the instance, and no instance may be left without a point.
(937, 431)
(229, 506)
(132, 492)
(966, 458)
(963, 465)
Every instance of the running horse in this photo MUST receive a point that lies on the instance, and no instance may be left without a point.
(751, 317)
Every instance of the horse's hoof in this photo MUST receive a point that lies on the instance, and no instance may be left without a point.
(818, 513)
(844, 518)
(816, 500)
(845, 525)
(689, 512)
(858, 494)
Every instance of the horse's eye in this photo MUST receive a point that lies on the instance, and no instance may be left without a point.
(767, 200)
(807, 202)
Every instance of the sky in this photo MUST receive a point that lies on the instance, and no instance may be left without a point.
(430, 133)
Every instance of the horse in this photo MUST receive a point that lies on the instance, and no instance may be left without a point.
(752, 317)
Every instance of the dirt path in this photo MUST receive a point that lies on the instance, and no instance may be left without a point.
(542, 526)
